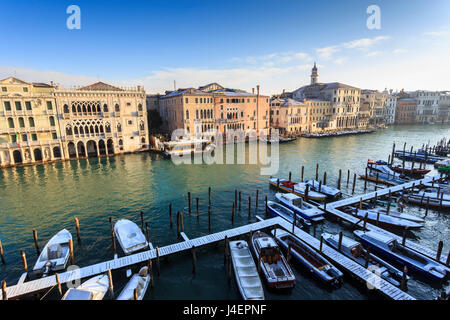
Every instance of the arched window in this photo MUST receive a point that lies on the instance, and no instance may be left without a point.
(81, 130)
(79, 109)
(92, 129)
(84, 108)
(140, 107)
(52, 121)
(119, 127)
(66, 108)
(21, 122)
(117, 108)
(74, 110)
(187, 114)
(75, 130)
(10, 122)
(120, 142)
(108, 127)
(86, 130)
(96, 129)
(31, 122)
(105, 108)
(142, 126)
(98, 108)
(69, 130)
(89, 108)
(101, 129)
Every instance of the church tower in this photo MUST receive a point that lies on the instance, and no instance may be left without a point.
(314, 75)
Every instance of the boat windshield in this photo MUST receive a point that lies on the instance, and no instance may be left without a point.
(270, 255)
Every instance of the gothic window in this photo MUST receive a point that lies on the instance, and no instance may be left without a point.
(66, 108)
(119, 127)
(117, 108)
(105, 108)
(140, 107)
(75, 130)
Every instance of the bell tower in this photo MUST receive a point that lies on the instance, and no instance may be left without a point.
(314, 75)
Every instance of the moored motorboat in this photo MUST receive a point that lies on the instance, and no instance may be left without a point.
(396, 214)
(330, 192)
(384, 220)
(298, 188)
(245, 271)
(301, 207)
(130, 236)
(271, 262)
(138, 281)
(277, 209)
(391, 248)
(54, 255)
(93, 289)
(357, 253)
(308, 257)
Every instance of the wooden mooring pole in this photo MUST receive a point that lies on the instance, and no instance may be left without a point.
(72, 260)
(77, 227)
(24, 260)
(439, 250)
(5, 296)
(36, 244)
(1, 253)
(317, 171)
(354, 183)
(339, 179)
(303, 173)
(170, 215)
(189, 203)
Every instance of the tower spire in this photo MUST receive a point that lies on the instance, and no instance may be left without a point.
(314, 74)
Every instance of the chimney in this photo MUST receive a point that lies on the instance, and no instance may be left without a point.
(140, 88)
(51, 83)
(253, 90)
(257, 89)
(284, 90)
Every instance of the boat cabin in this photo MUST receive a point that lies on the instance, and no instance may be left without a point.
(185, 146)
(293, 199)
(77, 294)
(269, 251)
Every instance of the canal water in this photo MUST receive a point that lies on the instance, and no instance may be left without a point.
(48, 197)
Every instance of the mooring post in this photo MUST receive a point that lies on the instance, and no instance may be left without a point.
(340, 241)
(256, 201)
(229, 269)
(354, 183)
(348, 176)
(321, 243)
(389, 159)
(290, 176)
(111, 284)
(365, 222)
(58, 282)
(439, 250)
(249, 205)
(360, 203)
(196, 203)
(320, 185)
(170, 215)
(266, 205)
(393, 151)
(209, 217)
(378, 217)
(24, 260)
(181, 222)
(225, 250)
(306, 192)
(239, 201)
(303, 173)
(189, 203)
(325, 178)
(147, 235)
(426, 208)
(1, 253)
(36, 244)
(113, 240)
(194, 259)
(404, 236)
(365, 181)
(178, 224)
(339, 179)
(403, 283)
(232, 213)
(278, 184)
(376, 181)
(317, 171)
(209, 195)
(158, 266)
(72, 260)
(5, 296)
(294, 222)
(440, 201)
(150, 270)
(77, 227)
(235, 199)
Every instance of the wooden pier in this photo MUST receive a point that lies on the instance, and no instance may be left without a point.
(357, 271)
(332, 208)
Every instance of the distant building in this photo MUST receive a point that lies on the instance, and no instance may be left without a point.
(289, 116)
(406, 111)
(374, 101)
(390, 107)
(321, 115)
(427, 105)
(444, 107)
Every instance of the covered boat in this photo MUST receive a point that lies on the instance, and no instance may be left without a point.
(388, 221)
(354, 250)
(297, 188)
(55, 254)
(245, 271)
(296, 204)
(308, 257)
(396, 214)
(391, 248)
(138, 281)
(277, 209)
(130, 236)
(93, 289)
(330, 192)
(271, 262)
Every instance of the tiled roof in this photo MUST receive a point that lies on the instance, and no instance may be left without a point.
(101, 86)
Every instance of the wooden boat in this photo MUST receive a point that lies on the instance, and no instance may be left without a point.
(308, 257)
(277, 209)
(417, 157)
(330, 192)
(130, 236)
(93, 289)
(386, 221)
(396, 214)
(297, 188)
(138, 281)
(382, 178)
(355, 251)
(245, 271)
(271, 262)
(442, 163)
(302, 208)
(183, 147)
(54, 255)
(394, 250)
(432, 203)
(410, 172)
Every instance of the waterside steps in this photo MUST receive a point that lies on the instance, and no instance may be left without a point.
(332, 208)
(388, 290)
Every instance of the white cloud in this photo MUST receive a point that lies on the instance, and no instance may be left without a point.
(276, 58)
(340, 60)
(374, 53)
(437, 33)
(327, 52)
(399, 50)
(361, 44)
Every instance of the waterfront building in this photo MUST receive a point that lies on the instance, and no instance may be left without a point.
(406, 110)
(444, 107)
(427, 105)
(43, 123)
(29, 125)
(390, 107)
(213, 107)
(344, 99)
(321, 115)
(374, 101)
(289, 116)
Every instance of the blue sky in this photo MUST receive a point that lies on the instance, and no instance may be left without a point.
(236, 43)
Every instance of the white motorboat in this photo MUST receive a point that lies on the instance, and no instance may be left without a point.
(384, 220)
(138, 281)
(304, 209)
(277, 209)
(55, 254)
(245, 271)
(396, 214)
(130, 236)
(298, 188)
(93, 289)
(330, 192)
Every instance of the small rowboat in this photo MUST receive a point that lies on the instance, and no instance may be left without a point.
(246, 274)
(432, 203)
(93, 289)
(414, 260)
(302, 208)
(130, 236)
(297, 188)
(330, 192)
(138, 281)
(308, 257)
(384, 220)
(271, 262)
(357, 253)
(277, 209)
(54, 255)
(396, 214)
(410, 172)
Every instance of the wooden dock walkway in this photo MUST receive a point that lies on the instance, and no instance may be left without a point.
(340, 260)
(332, 208)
